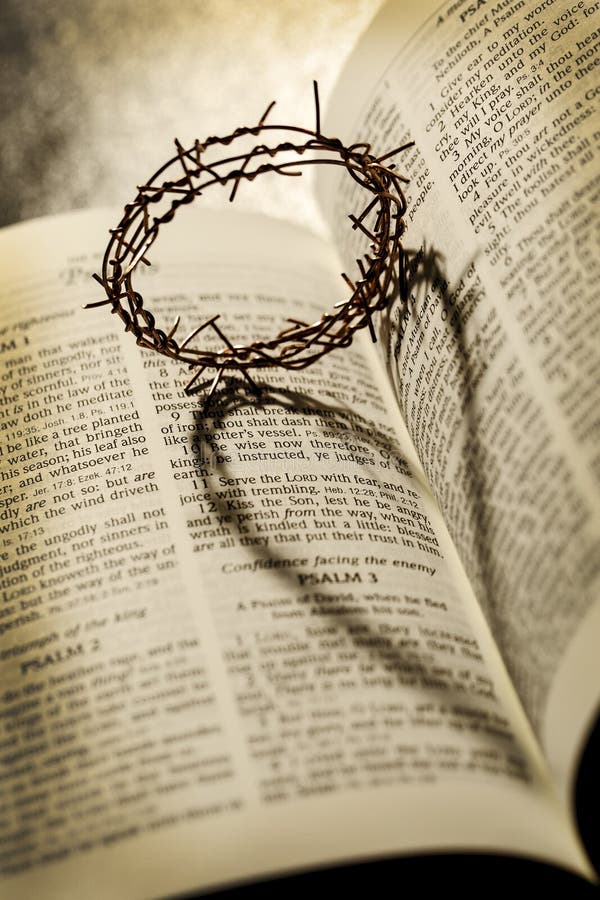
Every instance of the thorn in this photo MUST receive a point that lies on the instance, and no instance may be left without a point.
(263, 118)
(366, 210)
(397, 150)
(356, 223)
(250, 381)
(317, 110)
(240, 175)
(214, 386)
(96, 303)
(194, 378)
(180, 153)
(174, 328)
(220, 333)
(367, 311)
(196, 331)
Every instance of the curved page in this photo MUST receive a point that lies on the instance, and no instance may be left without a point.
(495, 363)
(234, 643)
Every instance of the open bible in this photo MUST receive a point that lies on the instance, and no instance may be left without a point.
(354, 617)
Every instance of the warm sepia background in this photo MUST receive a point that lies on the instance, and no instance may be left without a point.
(92, 92)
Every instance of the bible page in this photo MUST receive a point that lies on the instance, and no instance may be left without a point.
(495, 362)
(234, 642)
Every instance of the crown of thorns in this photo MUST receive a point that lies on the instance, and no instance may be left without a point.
(380, 273)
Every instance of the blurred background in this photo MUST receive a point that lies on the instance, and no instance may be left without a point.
(93, 92)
